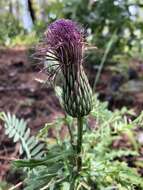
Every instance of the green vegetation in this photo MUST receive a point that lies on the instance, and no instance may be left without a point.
(104, 167)
(89, 154)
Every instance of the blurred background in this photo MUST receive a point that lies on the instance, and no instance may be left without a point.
(114, 67)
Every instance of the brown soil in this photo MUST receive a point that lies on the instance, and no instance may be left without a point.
(22, 95)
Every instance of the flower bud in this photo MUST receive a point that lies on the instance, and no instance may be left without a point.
(64, 43)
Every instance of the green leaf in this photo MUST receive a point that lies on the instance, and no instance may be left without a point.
(17, 129)
(50, 159)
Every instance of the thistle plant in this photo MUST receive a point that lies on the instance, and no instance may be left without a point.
(64, 45)
(66, 164)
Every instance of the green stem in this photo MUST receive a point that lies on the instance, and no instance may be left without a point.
(107, 50)
(72, 184)
(79, 143)
(78, 149)
(71, 134)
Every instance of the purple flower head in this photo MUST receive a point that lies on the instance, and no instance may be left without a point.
(62, 50)
(63, 42)
(65, 39)
(64, 32)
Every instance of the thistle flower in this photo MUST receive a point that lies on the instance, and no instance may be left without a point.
(64, 44)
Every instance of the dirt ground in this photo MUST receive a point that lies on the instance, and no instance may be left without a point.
(24, 96)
